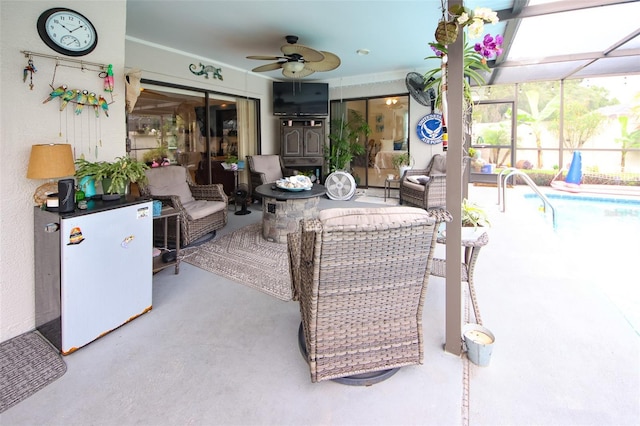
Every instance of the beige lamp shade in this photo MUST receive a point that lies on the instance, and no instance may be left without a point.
(50, 161)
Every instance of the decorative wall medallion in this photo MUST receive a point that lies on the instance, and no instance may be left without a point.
(205, 70)
(429, 129)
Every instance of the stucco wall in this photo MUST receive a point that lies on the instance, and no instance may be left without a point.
(27, 121)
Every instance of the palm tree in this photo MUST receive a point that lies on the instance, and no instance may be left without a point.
(536, 117)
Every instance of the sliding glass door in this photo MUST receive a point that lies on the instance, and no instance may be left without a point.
(198, 130)
(388, 119)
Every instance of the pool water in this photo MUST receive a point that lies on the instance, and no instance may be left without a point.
(576, 214)
(601, 234)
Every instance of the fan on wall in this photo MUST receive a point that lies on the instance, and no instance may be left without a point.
(415, 85)
(298, 60)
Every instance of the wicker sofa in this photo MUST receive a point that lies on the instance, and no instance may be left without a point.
(360, 276)
(203, 208)
(426, 193)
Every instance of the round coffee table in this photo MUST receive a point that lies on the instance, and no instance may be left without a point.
(282, 209)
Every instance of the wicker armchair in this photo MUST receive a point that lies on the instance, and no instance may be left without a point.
(360, 276)
(430, 194)
(266, 169)
(203, 208)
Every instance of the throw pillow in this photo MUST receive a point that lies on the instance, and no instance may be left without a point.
(421, 179)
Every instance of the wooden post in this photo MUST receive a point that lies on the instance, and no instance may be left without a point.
(454, 120)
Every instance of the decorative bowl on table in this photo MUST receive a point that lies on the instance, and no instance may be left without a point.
(295, 183)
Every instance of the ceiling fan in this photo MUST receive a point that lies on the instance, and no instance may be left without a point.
(298, 60)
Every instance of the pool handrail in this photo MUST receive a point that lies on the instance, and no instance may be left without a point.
(511, 171)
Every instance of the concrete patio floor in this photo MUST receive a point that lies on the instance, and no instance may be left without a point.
(214, 352)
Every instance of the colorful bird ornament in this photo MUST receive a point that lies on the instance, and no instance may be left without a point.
(68, 96)
(108, 80)
(81, 100)
(104, 105)
(29, 69)
(57, 92)
(93, 101)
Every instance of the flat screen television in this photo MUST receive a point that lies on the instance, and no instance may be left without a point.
(298, 99)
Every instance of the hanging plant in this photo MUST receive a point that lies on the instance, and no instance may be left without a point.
(458, 17)
(474, 64)
(453, 21)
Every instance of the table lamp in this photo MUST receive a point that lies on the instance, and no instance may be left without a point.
(49, 161)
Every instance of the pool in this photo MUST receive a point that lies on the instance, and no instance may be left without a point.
(600, 234)
(576, 214)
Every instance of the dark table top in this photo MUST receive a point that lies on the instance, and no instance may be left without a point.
(270, 190)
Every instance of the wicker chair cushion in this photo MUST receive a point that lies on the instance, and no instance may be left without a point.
(198, 209)
(421, 179)
(369, 216)
(269, 165)
(170, 180)
(439, 165)
(415, 186)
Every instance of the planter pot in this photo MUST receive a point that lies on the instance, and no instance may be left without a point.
(88, 185)
(403, 169)
(106, 183)
(479, 341)
(471, 233)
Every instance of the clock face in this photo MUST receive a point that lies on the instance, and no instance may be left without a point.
(67, 32)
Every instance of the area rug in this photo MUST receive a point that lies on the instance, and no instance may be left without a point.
(377, 200)
(247, 258)
(28, 363)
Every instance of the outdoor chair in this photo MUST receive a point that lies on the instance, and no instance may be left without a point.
(266, 169)
(425, 188)
(360, 276)
(202, 208)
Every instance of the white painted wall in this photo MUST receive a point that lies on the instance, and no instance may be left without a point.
(25, 121)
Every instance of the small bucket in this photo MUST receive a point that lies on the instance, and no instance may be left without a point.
(479, 342)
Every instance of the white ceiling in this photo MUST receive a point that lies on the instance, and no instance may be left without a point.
(547, 40)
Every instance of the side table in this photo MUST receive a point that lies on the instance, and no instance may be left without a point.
(158, 263)
(235, 186)
(387, 187)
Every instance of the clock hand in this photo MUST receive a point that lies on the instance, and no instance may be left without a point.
(81, 26)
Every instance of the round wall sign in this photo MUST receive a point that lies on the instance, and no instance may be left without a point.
(429, 129)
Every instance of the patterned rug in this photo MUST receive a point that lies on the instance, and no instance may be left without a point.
(28, 363)
(244, 256)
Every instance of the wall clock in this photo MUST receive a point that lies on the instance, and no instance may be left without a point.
(67, 31)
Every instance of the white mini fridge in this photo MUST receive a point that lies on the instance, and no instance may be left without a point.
(93, 269)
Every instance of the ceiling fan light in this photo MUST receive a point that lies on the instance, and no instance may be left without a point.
(293, 66)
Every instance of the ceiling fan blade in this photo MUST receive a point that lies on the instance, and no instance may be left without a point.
(302, 73)
(329, 63)
(268, 67)
(265, 58)
(307, 53)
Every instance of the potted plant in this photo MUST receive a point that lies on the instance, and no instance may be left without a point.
(473, 216)
(345, 140)
(402, 162)
(115, 176)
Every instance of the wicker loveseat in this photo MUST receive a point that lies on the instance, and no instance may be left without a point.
(360, 276)
(203, 208)
(426, 188)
